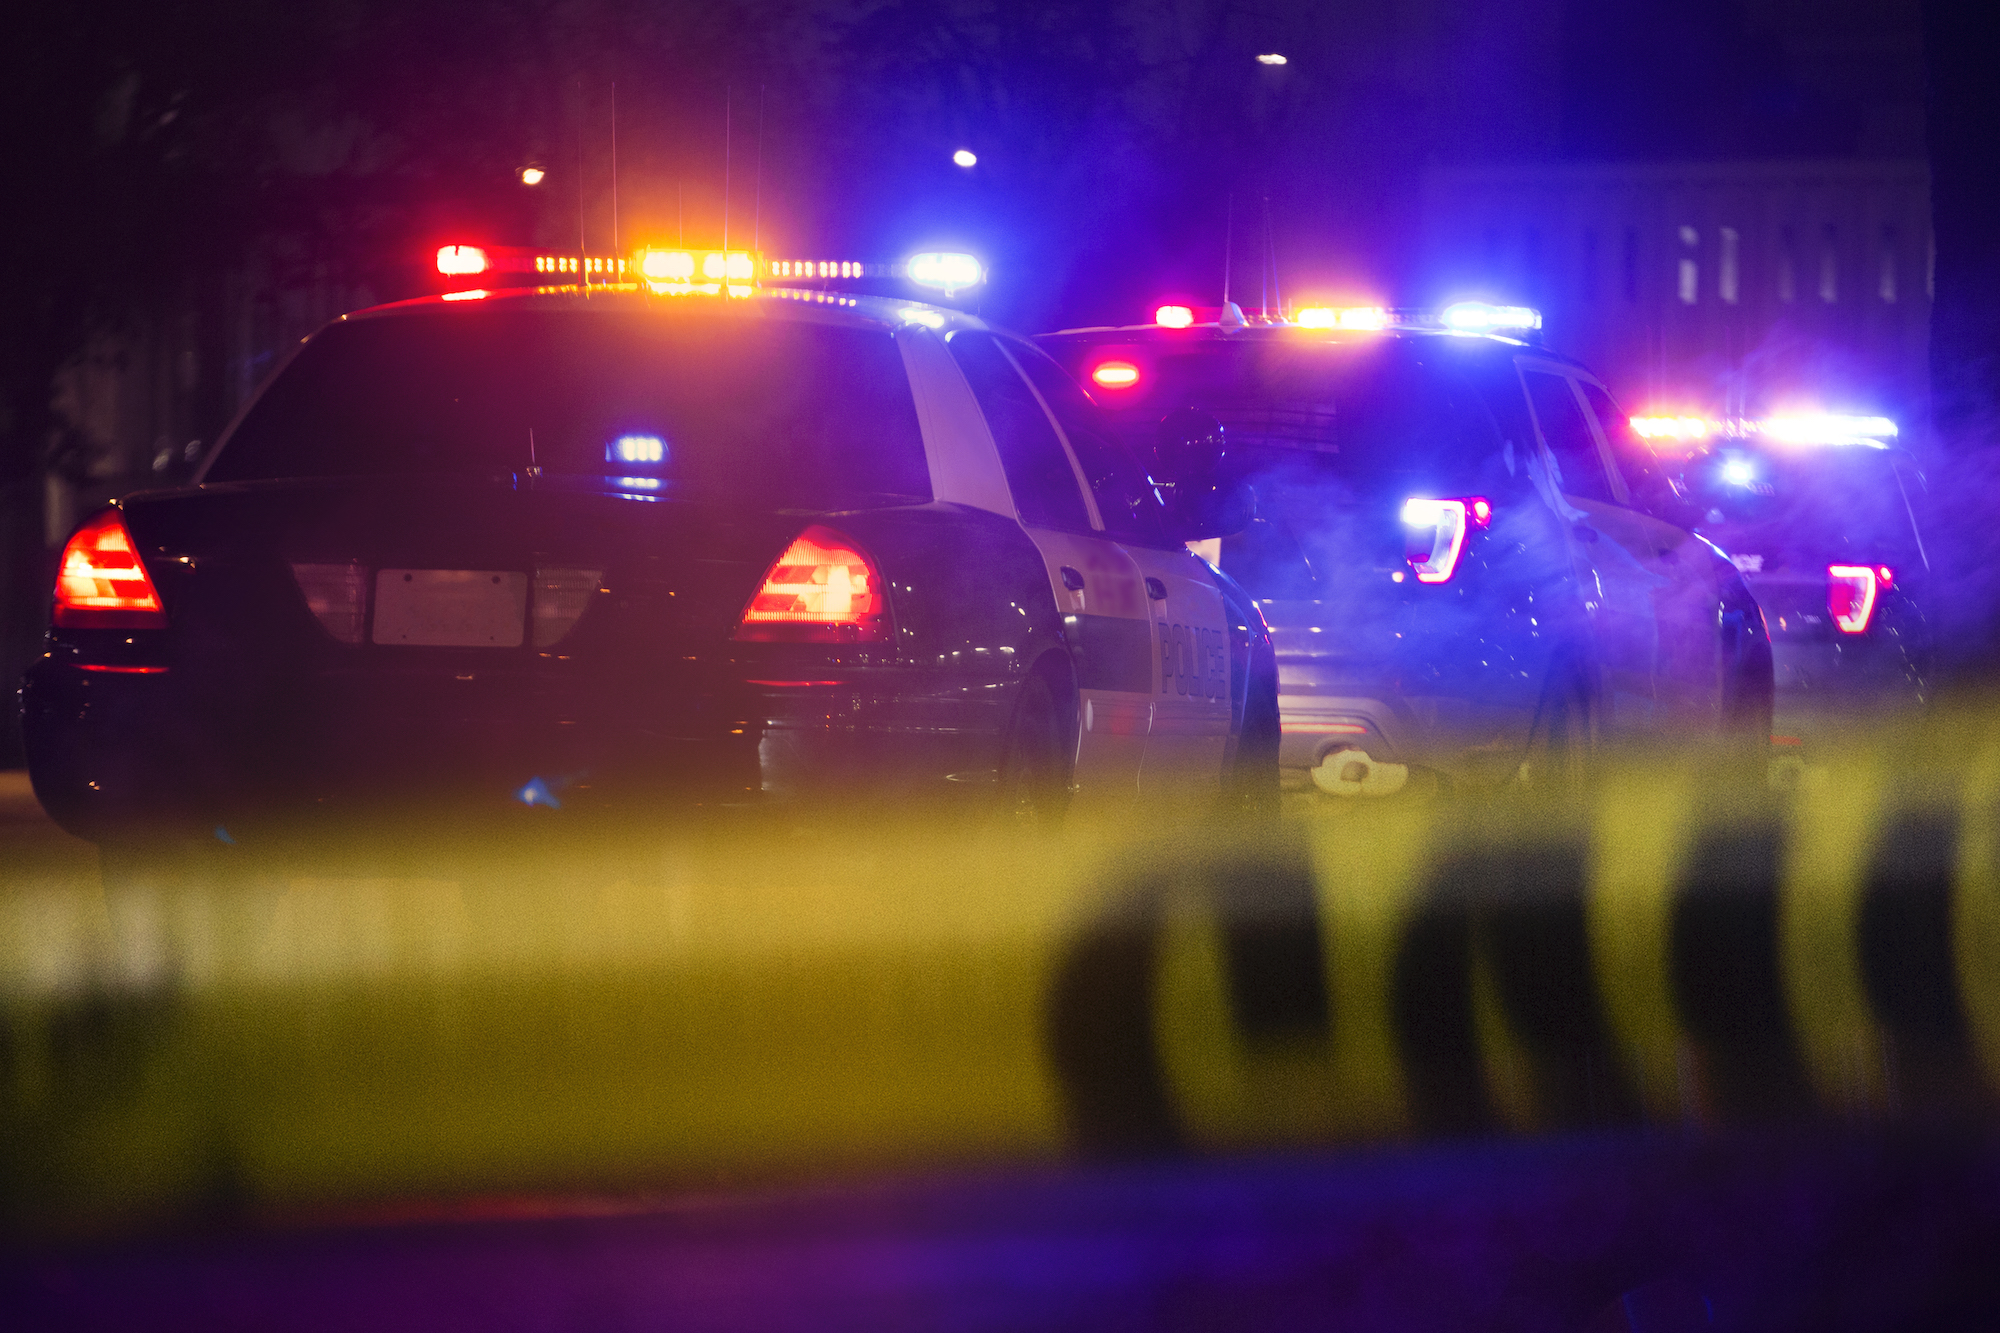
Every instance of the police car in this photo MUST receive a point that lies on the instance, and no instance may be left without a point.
(1460, 577)
(680, 531)
(1825, 516)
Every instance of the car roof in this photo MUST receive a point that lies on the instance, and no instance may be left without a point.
(1492, 344)
(804, 305)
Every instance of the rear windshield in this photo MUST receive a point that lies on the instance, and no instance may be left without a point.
(1800, 509)
(1365, 415)
(777, 413)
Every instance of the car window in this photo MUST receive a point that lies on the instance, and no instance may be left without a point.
(1125, 499)
(769, 412)
(1645, 479)
(1038, 468)
(1567, 435)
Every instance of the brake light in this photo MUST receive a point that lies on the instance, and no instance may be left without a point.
(821, 590)
(1434, 533)
(1851, 591)
(103, 584)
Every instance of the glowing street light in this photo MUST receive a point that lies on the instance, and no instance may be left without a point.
(532, 175)
(1272, 59)
(965, 157)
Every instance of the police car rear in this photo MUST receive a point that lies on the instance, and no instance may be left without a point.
(1459, 576)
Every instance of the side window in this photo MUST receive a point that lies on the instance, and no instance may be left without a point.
(1125, 499)
(1568, 435)
(1644, 477)
(1038, 468)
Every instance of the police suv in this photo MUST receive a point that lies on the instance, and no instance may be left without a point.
(1460, 577)
(715, 541)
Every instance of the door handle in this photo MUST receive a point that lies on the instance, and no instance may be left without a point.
(1585, 533)
(1156, 590)
(1072, 579)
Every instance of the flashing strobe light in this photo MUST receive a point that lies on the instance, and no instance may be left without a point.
(1479, 317)
(1851, 591)
(637, 449)
(1115, 375)
(1174, 316)
(458, 260)
(1739, 471)
(1434, 533)
(102, 583)
(666, 265)
(1342, 317)
(823, 589)
(1811, 429)
(946, 271)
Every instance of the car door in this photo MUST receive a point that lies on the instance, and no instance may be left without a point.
(1687, 667)
(1611, 549)
(1189, 735)
(1097, 585)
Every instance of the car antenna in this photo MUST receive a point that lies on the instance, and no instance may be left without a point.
(680, 217)
(580, 246)
(1271, 254)
(1228, 236)
(726, 95)
(615, 169)
(757, 207)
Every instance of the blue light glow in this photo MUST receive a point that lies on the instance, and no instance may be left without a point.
(637, 449)
(637, 483)
(1739, 471)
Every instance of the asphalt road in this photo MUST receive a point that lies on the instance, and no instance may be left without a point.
(29, 843)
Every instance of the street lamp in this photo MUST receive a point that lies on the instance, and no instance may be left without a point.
(532, 175)
(965, 157)
(1272, 59)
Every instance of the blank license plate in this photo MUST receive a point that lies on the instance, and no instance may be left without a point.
(451, 608)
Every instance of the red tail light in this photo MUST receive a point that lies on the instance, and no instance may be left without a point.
(1851, 591)
(103, 583)
(1434, 533)
(821, 590)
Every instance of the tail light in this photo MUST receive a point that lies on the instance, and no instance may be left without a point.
(1851, 591)
(821, 590)
(1434, 533)
(103, 583)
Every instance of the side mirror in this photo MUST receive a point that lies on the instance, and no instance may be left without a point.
(1187, 472)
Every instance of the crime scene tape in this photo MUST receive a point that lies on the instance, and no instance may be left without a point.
(672, 1013)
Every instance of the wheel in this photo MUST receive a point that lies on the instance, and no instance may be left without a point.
(1250, 787)
(1562, 740)
(1035, 761)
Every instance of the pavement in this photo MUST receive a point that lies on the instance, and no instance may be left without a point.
(30, 843)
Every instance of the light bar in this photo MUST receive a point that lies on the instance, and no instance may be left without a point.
(1812, 429)
(458, 260)
(1174, 316)
(1342, 317)
(945, 271)
(1479, 317)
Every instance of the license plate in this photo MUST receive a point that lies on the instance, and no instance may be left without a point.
(451, 608)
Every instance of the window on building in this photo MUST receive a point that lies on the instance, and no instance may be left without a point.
(1690, 265)
(1725, 273)
(1829, 265)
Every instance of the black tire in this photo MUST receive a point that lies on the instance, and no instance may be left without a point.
(1562, 741)
(1035, 760)
(1250, 787)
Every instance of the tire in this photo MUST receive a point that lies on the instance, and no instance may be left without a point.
(1035, 761)
(1562, 740)
(1250, 787)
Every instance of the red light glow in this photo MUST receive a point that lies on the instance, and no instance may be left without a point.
(121, 670)
(821, 590)
(1434, 533)
(458, 260)
(1174, 316)
(1851, 592)
(103, 584)
(1115, 375)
